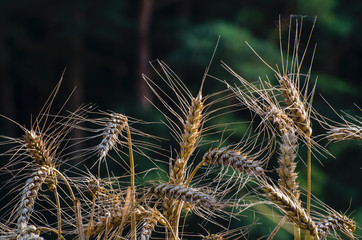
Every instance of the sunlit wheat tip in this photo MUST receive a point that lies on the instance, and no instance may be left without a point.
(191, 127)
(189, 138)
(37, 149)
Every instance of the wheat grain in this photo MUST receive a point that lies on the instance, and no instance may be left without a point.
(29, 233)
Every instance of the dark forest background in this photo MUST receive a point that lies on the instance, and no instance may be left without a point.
(105, 46)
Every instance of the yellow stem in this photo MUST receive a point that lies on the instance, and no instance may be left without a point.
(296, 232)
(91, 217)
(309, 177)
(58, 214)
(133, 200)
(193, 173)
(46, 229)
(75, 201)
(276, 229)
(78, 217)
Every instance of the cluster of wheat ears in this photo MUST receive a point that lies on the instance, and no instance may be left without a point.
(58, 186)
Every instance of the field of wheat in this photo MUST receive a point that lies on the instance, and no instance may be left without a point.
(63, 187)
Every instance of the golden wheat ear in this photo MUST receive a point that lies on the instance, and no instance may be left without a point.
(286, 170)
(292, 209)
(336, 221)
(349, 127)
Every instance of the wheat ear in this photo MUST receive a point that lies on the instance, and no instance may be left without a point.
(39, 152)
(335, 222)
(43, 153)
(114, 126)
(287, 165)
(292, 208)
(29, 233)
(185, 194)
(347, 132)
(154, 217)
(296, 108)
(189, 138)
(232, 158)
(29, 194)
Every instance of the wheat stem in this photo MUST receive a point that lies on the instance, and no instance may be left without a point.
(58, 213)
(91, 217)
(133, 201)
(309, 193)
(276, 229)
